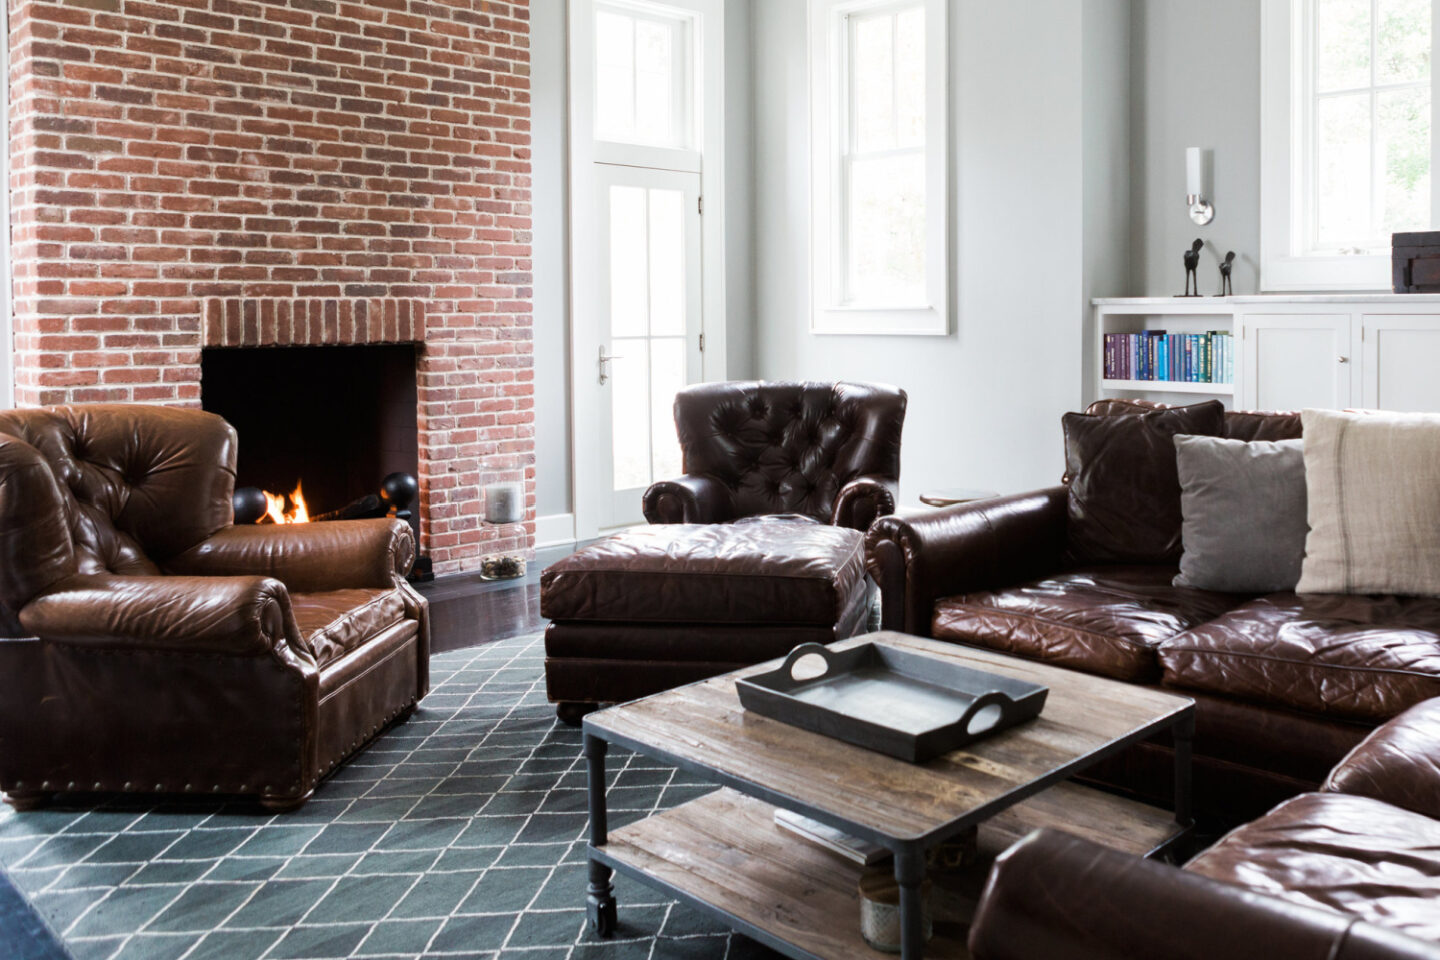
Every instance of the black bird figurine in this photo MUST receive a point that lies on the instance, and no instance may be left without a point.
(1226, 266)
(1192, 262)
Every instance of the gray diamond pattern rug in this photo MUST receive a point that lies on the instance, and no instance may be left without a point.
(457, 835)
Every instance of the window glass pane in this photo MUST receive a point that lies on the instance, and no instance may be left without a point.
(655, 82)
(614, 76)
(910, 78)
(629, 283)
(630, 413)
(872, 79)
(1402, 147)
(1402, 37)
(667, 378)
(667, 262)
(887, 230)
(1342, 167)
(1342, 44)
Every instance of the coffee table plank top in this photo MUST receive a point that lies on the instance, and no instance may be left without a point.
(703, 726)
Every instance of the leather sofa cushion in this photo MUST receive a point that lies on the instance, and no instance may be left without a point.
(1364, 658)
(1244, 425)
(763, 571)
(335, 622)
(1106, 620)
(1124, 491)
(1350, 854)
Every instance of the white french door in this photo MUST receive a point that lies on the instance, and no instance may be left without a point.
(649, 319)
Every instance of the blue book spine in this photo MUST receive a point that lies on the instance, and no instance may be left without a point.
(1164, 365)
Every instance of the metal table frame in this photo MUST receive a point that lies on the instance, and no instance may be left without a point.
(909, 854)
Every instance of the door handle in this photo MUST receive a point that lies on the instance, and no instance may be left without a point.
(601, 363)
(1344, 359)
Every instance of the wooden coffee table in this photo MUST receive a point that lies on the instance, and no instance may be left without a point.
(724, 854)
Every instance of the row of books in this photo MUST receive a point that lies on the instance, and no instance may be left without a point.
(1181, 357)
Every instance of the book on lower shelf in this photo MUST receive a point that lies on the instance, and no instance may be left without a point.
(851, 848)
(1160, 356)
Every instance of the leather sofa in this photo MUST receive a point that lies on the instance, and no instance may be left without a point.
(1284, 685)
(827, 451)
(147, 645)
(1350, 872)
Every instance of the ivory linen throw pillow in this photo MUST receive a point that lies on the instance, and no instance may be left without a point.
(1373, 488)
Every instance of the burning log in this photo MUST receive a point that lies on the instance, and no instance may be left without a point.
(397, 492)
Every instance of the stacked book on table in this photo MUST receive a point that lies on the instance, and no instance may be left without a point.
(1181, 357)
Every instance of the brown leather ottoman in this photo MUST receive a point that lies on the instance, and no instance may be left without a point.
(651, 609)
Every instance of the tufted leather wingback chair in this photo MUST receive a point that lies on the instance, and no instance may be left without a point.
(827, 451)
(148, 645)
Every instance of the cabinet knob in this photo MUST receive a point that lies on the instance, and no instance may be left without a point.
(1344, 359)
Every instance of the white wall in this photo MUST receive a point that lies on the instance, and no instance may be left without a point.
(1197, 84)
(551, 242)
(985, 401)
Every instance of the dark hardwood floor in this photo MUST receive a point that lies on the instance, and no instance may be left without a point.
(466, 609)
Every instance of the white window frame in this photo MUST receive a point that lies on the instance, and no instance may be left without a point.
(1286, 215)
(829, 106)
(683, 25)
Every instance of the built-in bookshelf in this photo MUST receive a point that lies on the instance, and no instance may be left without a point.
(1196, 355)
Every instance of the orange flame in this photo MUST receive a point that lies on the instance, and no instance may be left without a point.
(275, 507)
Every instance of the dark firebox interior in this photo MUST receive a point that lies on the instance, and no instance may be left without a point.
(337, 419)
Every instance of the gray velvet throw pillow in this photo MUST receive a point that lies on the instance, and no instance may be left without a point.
(1244, 521)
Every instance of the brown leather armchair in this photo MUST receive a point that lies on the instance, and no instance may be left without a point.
(827, 451)
(148, 645)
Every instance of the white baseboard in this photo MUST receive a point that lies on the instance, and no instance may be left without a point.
(554, 530)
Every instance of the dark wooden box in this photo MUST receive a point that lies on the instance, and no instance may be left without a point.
(1415, 259)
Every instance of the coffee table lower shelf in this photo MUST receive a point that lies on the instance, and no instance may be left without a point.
(724, 854)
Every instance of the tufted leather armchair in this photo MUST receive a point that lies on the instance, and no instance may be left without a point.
(148, 645)
(827, 451)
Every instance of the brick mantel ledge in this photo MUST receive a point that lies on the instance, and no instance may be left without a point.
(344, 321)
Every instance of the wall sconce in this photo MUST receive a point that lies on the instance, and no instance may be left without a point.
(1202, 211)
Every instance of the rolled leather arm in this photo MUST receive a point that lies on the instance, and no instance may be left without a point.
(693, 498)
(1399, 762)
(306, 557)
(922, 557)
(861, 501)
(240, 616)
(1059, 897)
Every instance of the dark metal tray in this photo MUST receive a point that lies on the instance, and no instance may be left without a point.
(910, 705)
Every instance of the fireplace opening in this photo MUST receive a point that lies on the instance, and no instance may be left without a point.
(334, 420)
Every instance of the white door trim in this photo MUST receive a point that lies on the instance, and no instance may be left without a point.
(585, 152)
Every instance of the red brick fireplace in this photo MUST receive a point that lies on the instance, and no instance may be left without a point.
(201, 174)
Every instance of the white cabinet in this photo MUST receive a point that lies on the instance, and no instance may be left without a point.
(1377, 351)
(1401, 362)
(1294, 361)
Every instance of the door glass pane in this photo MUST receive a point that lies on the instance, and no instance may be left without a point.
(887, 229)
(667, 378)
(1342, 44)
(654, 82)
(1402, 145)
(1402, 38)
(667, 262)
(628, 280)
(910, 78)
(1342, 167)
(872, 82)
(614, 76)
(630, 413)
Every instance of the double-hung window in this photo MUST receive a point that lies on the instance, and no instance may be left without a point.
(878, 107)
(1348, 151)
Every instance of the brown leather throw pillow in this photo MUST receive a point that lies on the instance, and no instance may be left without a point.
(1124, 490)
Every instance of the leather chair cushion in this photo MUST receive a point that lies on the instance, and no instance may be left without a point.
(1105, 620)
(1350, 854)
(1364, 658)
(335, 622)
(1124, 490)
(763, 571)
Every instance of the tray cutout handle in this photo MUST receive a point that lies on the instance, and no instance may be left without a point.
(985, 713)
(800, 653)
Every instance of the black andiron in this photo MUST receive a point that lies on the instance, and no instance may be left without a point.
(1192, 262)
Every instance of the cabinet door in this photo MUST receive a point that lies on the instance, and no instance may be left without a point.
(1293, 361)
(1400, 370)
